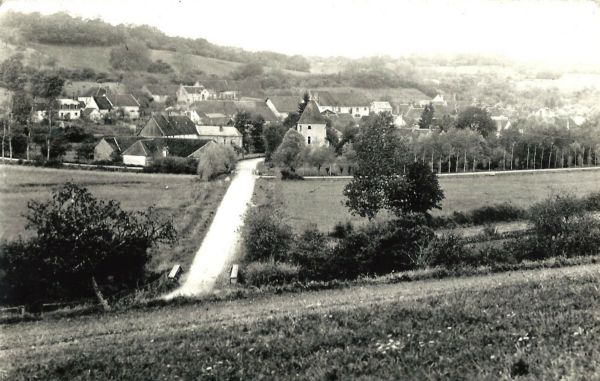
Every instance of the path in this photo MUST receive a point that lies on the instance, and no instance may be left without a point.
(223, 237)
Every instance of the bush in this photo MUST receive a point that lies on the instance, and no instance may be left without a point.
(267, 236)
(270, 273)
(342, 230)
(314, 256)
(450, 251)
(173, 164)
(289, 175)
(216, 160)
(496, 213)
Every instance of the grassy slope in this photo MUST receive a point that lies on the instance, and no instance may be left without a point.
(190, 203)
(467, 328)
(321, 201)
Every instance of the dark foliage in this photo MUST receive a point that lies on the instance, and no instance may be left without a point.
(267, 236)
(173, 164)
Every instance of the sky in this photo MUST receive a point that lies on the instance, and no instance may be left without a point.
(563, 32)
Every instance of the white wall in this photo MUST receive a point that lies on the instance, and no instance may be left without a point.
(135, 160)
(316, 133)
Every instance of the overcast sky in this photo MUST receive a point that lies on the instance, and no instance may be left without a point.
(528, 30)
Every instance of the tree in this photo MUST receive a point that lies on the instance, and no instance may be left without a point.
(84, 245)
(320, 156)
(380, 181)
(256, 134)
(243, 122)
(272, 137)
(293, 117)
(215, 160)
(12, 73)
(132, 55)
(476, 119)
(289, 152)
(47, 85)
(427, 117)
(249, 70)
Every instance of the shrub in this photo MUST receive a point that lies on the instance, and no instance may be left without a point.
(173, 164)
(289, 175)
(267, 236)
(270, 273)
(315, 258)
(216, 160)
(342, 230)
(450, 251)
(496, 213)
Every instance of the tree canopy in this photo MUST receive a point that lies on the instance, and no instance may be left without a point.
(476, 119)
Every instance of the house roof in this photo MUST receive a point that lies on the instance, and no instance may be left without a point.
(162, 90)
(230, 108)
(123, 100)
(120, 143)
(311, 114)
(176, 147)
(414, 113)
(285, 103)
(257, 108)
(218, 131)
(380, 104)
(172, 125)
(215, 119)
(103, 103)
(89, 110)
(350, 98)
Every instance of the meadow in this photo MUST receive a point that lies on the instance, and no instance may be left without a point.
(190, 203)
(538, 324)
(320, 202)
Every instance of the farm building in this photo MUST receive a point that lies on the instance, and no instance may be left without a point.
(144, 152)
(169, 126)
(312, 125)
(352, 103)
(109, 148)
(230, 108)
(160, 93)
(125, 103)
(283, 105)
(220, 134)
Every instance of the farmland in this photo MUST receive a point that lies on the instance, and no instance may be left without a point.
(320, 202)
(189, 202)
(538, 324)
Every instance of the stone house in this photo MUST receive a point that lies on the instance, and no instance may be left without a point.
(312, 126)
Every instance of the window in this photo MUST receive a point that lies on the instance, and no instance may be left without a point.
(300, 128)
(309, 140)
(309, 127)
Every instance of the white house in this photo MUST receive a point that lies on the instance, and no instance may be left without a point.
(378, 106)
(68, 109)
(220, 134)
(312, 126)
(353, 103)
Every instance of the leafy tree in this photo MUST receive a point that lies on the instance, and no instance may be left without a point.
(320, 156)
(84, 245)
(379, 181)
(256, 134)
(293, 117)
(289, 152)
(132, 55)
(47, 85)
(302, 105)
(243, 121)
(249, 70)
(215, 160)
(427, 117)
(268, 236)
(12, 73)
(272, 137)
(476, 119)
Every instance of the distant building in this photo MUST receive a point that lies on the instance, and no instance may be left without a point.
(170, 126)
(378, 107)
(68, 109)
(312, 126)
(220, 134)
(144, 152)
(109, 148)
(160, 93)
(353, 103)
(125, 103)
(207, 90)
(283, 105)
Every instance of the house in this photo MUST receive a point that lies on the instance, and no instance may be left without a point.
(68, 109)
(220, 134)
(207, 90)
(413, 116)
(88, 102)
(215, 119)
(283, 105)
(312, 125)
(92, 114)
(353, 103)
(144, 152)
(126, 104)
(378, 106)
(160, 93)
(109, 148)
(502, 123)
(170, 126)
(230, 108)
(104, 105)
(39, 110)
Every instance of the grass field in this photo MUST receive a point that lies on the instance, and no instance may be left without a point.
(320, 202)
(539, 324)
(189, 202)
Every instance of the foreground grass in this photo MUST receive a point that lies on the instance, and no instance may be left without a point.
(320, 202)
(538, 324)
(189, 202)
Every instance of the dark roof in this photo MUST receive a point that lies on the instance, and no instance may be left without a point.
(257, 108)
(103, 103)
(176, 147)
(123, 100)
(215, 119)
(121, 143)
(351, 98)
(311, 114)
(173, 125)
(162, 90)
(286, 103)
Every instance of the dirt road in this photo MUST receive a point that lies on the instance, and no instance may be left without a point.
(223, 237)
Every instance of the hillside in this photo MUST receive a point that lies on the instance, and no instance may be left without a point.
(490, 327)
